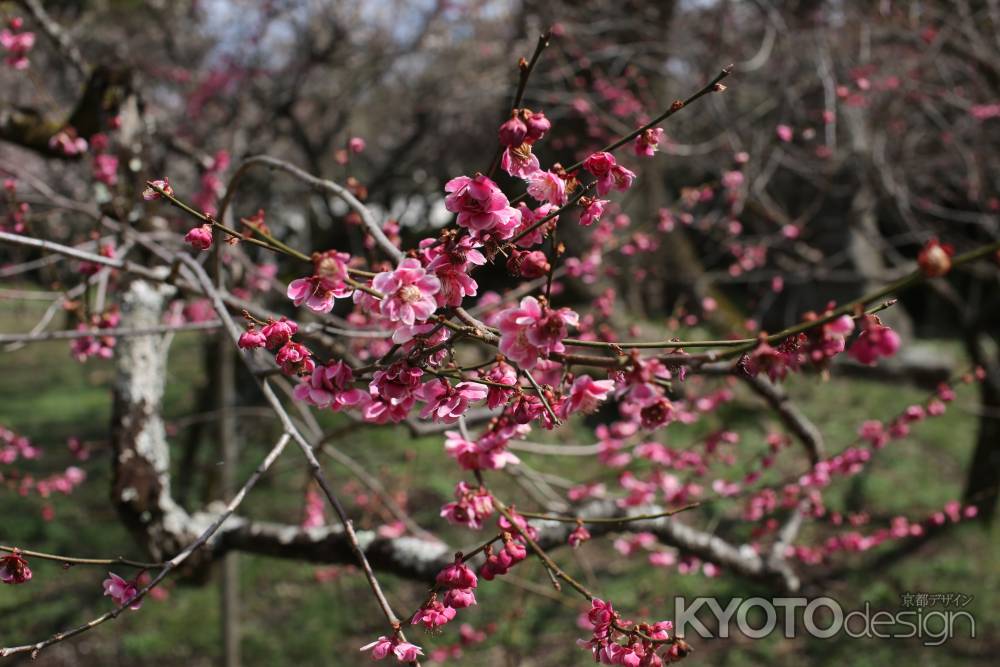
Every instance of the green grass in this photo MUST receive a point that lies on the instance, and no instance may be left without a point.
(289, 618)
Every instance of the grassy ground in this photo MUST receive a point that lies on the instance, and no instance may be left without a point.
(291, 618)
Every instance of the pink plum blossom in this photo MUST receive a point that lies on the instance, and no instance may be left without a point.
(121, 591)
(446, 403)
(251, 339)
(331, 268)
(579, 535)
(529, 219)
(199, 237)
(404, 652)
(331, 386)
(500, 562)
(105, 167)
(313, 514)
(531, 331)
(645, 144)
(601, 615)
(485, 454)
(516, 527)
(408, 292)
(328, 282)
(547, 186)
(14, 569)
(621, 179)
(471, 507)
(592, 211)
(312, 293)
(407, 652)
(96, 345)
(585, 395)
(513, 131)
(451, 264)
(733, 180)
(826, 341)
(538, 125)
(459, 598)
(393, 392)
(528, 265)
(609, 174)
(17, 45)
(876, 340)
(481, 205)
(280, 332)
(519, 161)
(67, 142)
(149, 194)
(457, 575)
(433, 615)
(295, 359)
(380, 648)
(600, 164)
(503, 374)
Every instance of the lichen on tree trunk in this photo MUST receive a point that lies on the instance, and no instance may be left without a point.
(141, 454)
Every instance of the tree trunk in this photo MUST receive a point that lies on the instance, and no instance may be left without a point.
(982, 487)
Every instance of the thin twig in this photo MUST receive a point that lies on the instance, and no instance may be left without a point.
(623, 519)
(118, 560)
(525, 68)
(72, 334)
(321, 185)
(57, 34)
(170, 565)
(304, 446)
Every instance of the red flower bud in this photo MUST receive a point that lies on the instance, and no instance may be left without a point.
(512, 132)
(935, 259)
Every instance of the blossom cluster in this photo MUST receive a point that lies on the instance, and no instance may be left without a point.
(406, 363)
(103, 347)
(328, 282)
(15, 219)
(820, 344)
(67, 142)
(615, 641)
(17, 43)
(104, 163)
(15, 569)
(16, 449)
(900, 527)
(409, 325)
(873, 433)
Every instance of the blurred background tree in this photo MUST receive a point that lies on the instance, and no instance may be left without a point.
(851, 134)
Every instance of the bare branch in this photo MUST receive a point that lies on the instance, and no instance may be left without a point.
(320, 185)
(57, 34)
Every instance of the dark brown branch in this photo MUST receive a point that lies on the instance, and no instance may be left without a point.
(793, 418)
(57, 34)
